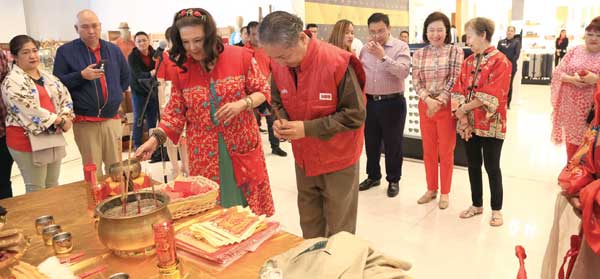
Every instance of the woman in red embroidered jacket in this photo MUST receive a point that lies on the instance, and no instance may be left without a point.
(214, 93)
(479, 97)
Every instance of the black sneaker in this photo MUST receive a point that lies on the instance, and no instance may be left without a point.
(368, 184)
(279, 152)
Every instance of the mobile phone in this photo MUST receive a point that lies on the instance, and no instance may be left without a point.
(100, 65)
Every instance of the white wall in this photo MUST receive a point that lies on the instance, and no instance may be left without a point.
(54, 19)
(12, 19)
(155, 16)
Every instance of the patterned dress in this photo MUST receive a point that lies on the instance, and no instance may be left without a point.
(489, 84)
(571, 104)
(230, 154)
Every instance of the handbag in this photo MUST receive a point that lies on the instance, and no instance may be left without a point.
(580, 171)
(47, 148)
(244, 167)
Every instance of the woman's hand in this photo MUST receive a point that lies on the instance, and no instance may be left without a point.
(144, 152)
(575, 203)
(67, 126)
(230, 110)
(433, 106)
(588, 77)
(575, 80)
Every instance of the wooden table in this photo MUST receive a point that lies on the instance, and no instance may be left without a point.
(68, 205)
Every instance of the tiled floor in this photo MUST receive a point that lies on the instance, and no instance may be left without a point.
(436, 242)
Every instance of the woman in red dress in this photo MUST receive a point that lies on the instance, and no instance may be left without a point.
(480, 94)
(213, 93)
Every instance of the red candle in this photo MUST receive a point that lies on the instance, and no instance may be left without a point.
(164, 238)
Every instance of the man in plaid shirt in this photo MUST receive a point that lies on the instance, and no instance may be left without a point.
(6, 160)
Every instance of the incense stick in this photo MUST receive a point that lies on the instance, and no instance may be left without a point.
(123, 185)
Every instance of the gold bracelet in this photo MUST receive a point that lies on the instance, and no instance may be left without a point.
(249, 103)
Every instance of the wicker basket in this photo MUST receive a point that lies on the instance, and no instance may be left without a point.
(194, 204)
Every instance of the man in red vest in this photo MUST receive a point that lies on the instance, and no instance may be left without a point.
(317, 94)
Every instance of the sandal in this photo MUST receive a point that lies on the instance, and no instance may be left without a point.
(472, 211)
(427, 197)
(444, 201)
(497, 219)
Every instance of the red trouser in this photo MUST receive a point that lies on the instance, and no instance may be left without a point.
(438, 134)
(571, 149)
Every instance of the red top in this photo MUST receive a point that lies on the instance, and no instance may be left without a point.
(104, 88)
(146, 59)
(489, 85)
(263, 61)
(320, 73)
(167, 69)
(16, 138)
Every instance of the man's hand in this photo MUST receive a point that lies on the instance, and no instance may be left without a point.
(376, 49)
(90, 73)
(289, 130)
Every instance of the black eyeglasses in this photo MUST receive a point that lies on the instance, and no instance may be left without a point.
(413, 106)
(413, 113)
(413, 121)
(414, 130)
(413, 98)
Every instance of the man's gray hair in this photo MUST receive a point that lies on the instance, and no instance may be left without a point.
(280, 28)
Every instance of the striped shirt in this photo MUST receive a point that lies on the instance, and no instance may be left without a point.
(386, 77)
(435, 71)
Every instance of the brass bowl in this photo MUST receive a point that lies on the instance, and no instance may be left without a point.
(131, 236)
(133, 167)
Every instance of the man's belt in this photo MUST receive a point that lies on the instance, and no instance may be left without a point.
(378, 98)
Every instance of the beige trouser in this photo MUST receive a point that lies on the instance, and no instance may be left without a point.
(35, 177)
(98, 142)
(328, 202)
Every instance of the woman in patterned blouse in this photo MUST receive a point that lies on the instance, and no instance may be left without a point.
(435, 70)
(573, 84)
(479, 98)
(214, 93)
(37, 104)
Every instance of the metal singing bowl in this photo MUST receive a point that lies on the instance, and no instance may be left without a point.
(132, 166)
(131, 236)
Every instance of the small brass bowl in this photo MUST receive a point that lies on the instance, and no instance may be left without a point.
(42, 222)
(120, 275)
(133, 167)
(62, 243)
(49, 232)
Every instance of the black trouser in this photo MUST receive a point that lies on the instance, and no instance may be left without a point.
(265, 109)
(491, 149)
(385, 121)
(6, 162)
(510, 89)
(557, 58)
